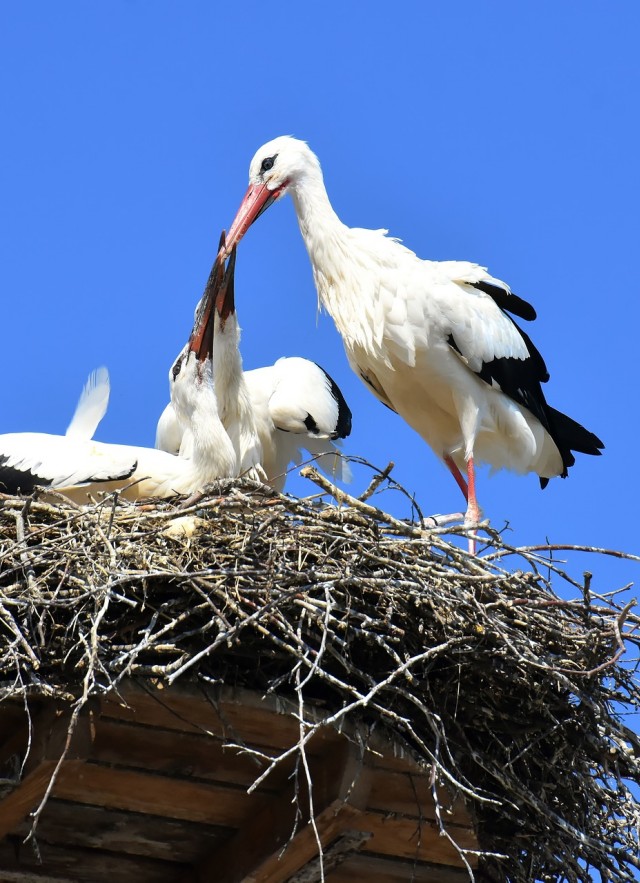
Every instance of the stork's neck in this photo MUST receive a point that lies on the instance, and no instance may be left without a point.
(232, 394)
(196, 407)
(333, 252)
(321, 228)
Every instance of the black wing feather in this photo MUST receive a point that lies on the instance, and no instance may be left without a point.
(23, 481)
(521, 380)
(507, 301)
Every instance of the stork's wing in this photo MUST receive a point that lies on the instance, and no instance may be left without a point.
(520, 379)
(495, 348)
(464, 272)
(305, 399)
(507, 300)
(92, 406)
(32, 459)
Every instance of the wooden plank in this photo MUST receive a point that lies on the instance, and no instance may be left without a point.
(178, 754)
(94, 827)
(97, 866)
(172, 798)
(414, 839)
(343, 846)
(240, 715)
(262, 721)
(410, 794)
(25, 797)
(49, 739)
(257, 852)
(375, 869)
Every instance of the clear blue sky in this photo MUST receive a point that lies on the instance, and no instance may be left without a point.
(497, 132)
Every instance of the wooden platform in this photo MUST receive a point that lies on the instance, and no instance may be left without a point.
(152, 789)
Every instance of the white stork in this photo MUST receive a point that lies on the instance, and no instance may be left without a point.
(270, 413)
(431, 339)
(80, 468)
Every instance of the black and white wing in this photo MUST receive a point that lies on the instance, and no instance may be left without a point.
(33, 459)
(305, 399)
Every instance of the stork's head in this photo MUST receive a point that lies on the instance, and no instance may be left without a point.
(277, 167)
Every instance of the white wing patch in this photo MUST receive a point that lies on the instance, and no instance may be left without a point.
(60, 461)
(92, 406)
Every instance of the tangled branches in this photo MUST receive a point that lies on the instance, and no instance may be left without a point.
(514, 696)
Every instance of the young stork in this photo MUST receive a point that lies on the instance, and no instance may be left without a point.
(80, 468)
(270, 413)
(431, 339)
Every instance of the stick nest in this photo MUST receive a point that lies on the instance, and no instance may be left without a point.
(513, 695)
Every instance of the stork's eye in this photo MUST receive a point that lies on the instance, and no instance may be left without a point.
(176, 368)
(267, 163)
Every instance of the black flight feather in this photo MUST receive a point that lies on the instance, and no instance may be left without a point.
(521, 380)
(508, 302)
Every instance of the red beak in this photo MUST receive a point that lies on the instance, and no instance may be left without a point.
(256, 200)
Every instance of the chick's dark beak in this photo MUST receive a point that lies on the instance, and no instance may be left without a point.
(201, 339)
(225, 299)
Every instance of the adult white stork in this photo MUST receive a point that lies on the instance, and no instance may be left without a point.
(431, 339)
(270, 413)
(80, 468)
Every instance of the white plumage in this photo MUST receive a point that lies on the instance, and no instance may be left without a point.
(295, 411)
(432, 339)
(271, 414)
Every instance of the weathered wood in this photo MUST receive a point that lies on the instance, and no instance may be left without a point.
(257, 852)
(96, 866)
(94, 827)
(51, 736)
(152, 787)
(232, 715)
(156, 795)
(409, 793)
(178, 753)
(411, 838)
(25, 797)
(334, 855)
(375, 869)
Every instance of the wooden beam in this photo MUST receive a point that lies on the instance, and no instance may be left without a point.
(61, 863)
(50, 736)
(409, 794)
(175, 753)
(279, 839)
(375, 869)
(165, 796)
(344, 846)
(416, 839)
(78, 825)
(227, 714)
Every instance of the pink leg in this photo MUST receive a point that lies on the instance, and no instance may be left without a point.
(473, 510)
(468, 488)
(453, 469)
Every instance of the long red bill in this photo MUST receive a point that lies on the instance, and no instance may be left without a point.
(256, 200)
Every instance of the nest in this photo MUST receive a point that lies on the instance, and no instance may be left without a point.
(514, 695)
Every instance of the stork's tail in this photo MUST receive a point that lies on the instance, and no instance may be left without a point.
(570, 436)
